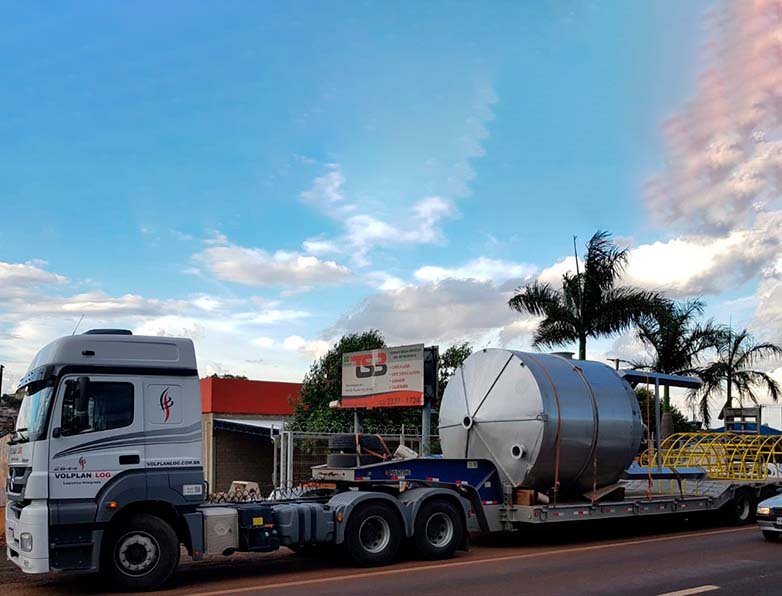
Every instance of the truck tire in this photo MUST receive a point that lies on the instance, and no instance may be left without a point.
(141, 553)
(741, 510)
(373, 535)
(772, 536)
(439, 530)
(346, 443)
(350, 460)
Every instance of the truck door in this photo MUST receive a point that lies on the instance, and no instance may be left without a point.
(97, 434)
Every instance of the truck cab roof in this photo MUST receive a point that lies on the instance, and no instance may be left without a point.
(115, 351)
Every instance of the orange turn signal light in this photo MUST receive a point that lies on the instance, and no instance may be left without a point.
(111, 505)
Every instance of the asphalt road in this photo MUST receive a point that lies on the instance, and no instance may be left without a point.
(658, 558)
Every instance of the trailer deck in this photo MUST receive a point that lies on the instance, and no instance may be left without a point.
(494, 509)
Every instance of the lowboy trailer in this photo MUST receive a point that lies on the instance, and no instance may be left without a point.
(105, 474)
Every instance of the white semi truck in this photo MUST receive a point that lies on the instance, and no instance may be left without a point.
(106, 472)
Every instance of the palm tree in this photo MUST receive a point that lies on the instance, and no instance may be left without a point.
(733, 371)
(676, 340)
(589, 304)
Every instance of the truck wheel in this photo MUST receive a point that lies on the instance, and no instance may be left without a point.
(141, 553)
(742, 508)
(772, 536)
(438, 530)
(373, 535)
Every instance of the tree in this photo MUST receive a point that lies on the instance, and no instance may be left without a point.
(676, 341)
(680, 422)
(733, 372)
(9, 400)
(450, 360)
(589, 303)
(228, 376)
(323, 385)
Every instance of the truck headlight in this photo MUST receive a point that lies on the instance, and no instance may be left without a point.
(26, 542)
(764, 510)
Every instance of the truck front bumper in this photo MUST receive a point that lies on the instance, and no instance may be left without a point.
(33, 519)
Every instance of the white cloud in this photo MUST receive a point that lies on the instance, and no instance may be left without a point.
(263, 342)
(447, 311)
(707, 265)
(767, 319)
(327, 190)
(256, 267)
(275, 316)
(319, 247)
(724, 157)
(16, 276)
(315, 348)
(384, 281)
(421, 225)
(217, 239)
(696, 265)
(365, 229)
(480, 269)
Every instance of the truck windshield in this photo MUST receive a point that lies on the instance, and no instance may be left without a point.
(32, 414)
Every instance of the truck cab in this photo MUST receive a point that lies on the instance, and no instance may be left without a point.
(109, 432)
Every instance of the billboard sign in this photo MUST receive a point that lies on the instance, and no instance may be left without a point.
(384, 378)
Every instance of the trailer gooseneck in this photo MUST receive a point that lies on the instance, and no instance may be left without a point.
(106, 474)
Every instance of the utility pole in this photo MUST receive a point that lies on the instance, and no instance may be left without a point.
(617, 361)
(1, 378)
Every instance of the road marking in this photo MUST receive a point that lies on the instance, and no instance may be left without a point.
(690, 591)
(465, 563)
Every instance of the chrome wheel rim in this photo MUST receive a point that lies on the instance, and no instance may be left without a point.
(137, 553)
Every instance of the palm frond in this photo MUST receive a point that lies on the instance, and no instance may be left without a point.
(622, 307)
(536, 299)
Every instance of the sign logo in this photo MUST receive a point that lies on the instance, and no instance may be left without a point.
(82, 462)
(166, 401)
(369, 365)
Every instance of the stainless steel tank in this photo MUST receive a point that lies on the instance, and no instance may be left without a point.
(508, 406)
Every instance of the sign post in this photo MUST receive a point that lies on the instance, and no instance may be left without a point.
(431, 362)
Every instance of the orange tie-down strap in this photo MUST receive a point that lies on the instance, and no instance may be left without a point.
(360, 449)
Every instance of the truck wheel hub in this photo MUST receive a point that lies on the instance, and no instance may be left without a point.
(439, 530)
(137, 553)
(374, 534)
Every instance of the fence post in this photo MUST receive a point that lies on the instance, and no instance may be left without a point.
(289, 460)
(275, 439)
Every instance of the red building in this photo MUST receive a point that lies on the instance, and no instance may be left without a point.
(239, 419)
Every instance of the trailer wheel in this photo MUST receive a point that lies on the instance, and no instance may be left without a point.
(438, 530)
(742, 508)
(141, 553)
(373, 535)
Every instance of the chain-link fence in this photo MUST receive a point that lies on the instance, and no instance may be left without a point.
(296, 452)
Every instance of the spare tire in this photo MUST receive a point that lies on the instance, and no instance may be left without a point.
(350, 460)
(346, 443)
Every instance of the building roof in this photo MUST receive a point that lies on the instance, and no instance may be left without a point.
(241, 396)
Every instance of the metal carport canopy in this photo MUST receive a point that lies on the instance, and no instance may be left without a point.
(636, 377)
(258, 428)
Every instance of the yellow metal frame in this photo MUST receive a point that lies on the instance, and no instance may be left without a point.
(725, 456)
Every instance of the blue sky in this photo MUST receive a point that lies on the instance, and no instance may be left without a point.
(265, 176)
